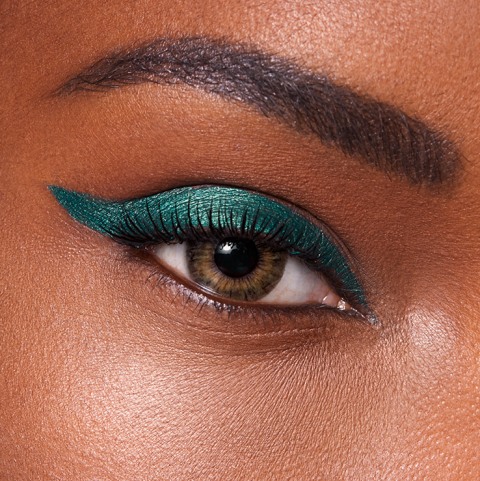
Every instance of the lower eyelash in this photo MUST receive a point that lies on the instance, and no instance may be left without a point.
(264, 318)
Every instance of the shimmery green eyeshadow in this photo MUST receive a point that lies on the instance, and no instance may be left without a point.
(190, 213)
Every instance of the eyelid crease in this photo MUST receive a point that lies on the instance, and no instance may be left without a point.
(191, 213)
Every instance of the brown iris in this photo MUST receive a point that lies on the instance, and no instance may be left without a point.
(236, 267)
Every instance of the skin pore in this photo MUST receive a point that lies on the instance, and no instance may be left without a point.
(111, 371)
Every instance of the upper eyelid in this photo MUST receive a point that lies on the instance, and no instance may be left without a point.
(128, 221)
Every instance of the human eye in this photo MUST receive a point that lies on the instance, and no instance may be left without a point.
(232, 244)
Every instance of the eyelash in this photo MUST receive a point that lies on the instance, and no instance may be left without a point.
(210, 213)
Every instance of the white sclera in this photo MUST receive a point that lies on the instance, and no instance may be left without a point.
(299, 285)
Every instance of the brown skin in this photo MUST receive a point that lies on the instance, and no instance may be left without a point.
(107, 376)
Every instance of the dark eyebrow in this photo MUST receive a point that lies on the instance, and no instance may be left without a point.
(360, 126)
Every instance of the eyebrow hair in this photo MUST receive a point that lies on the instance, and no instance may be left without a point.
(360, 126)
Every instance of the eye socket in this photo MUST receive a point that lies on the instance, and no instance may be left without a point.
(210, 219)
(240, 269)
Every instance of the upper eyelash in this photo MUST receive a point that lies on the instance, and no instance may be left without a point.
(170, 217)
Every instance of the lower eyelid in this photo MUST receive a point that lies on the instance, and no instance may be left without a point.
(195, 310)
(298, 284)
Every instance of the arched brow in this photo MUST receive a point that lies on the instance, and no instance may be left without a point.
(360, 126)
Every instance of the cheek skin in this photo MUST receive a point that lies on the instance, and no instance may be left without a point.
(107, 387)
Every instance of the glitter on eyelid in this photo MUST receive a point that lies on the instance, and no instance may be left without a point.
(203, 212)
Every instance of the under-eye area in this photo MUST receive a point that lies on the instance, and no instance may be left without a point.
(235, 245)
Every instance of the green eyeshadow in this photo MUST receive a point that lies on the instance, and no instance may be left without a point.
(209, 213)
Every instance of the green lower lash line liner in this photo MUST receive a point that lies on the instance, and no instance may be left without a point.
(187, 213)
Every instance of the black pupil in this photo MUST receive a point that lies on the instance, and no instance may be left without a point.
(236, 257)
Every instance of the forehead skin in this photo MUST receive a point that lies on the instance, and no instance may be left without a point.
(104, 377)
